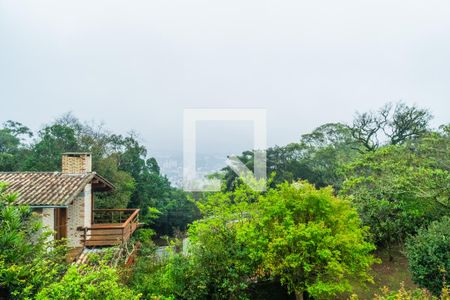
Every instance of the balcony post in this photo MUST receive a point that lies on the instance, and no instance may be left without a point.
(85, 235)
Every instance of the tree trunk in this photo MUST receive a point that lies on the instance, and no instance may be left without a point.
(299, 295)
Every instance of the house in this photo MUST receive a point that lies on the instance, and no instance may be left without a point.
(65, 202)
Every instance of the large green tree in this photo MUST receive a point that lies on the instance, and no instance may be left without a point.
(399, 188)
(313, 241)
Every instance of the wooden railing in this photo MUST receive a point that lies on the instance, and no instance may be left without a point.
(111, 216)
(111, 227)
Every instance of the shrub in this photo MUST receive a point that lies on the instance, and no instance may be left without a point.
(429, 256)
(404, 294)
(28, 261)
(87, 282)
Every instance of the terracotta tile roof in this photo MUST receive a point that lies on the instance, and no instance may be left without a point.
(48, 188)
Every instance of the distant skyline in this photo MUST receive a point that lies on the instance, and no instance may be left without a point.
(136, 65)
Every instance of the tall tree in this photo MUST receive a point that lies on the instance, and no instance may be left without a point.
(392, 124)
(12, 145)
(53, 141)
(310, 239)
(399, 188)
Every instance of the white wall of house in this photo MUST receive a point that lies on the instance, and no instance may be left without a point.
(48, 219)
(87, 205)
(75, 219)
(78, 215)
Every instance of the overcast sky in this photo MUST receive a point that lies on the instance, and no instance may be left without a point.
(138, 64)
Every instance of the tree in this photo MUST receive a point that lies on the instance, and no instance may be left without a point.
(177, 212)
(434, 147)
(399, 188)
(310, 239)
(327, 149)
(429, 257)
(12, 150)
(46, 153)
(396, 124)
(123, 181)
(220, 263)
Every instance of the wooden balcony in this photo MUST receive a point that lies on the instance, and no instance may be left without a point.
(111, 227)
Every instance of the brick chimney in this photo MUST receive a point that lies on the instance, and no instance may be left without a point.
(76, 163)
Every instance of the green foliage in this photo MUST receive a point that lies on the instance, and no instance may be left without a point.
(429, 256)
(125, 184)
(327, 149)
(396, 124)
(216, 266)
(12, 150)
(417, 294)
(176, 212)
(22, 279)
(53, 141)
(154, 277)
(310, 239)
(220, 264)
(404, 294)
(317, 158)
(87, 282)
(399, 188)
(17, 228)
(154, 190)
(28, 261)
